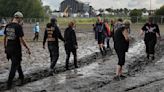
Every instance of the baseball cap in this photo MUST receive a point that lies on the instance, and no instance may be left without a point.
(18, 14)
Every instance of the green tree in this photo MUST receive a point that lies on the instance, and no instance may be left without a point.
(160, 11)
(109, 9)
(136, 12)
(29, 8)
(135, 15)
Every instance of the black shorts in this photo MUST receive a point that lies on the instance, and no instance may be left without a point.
(150, 47)
(121, 58)
(101, 38)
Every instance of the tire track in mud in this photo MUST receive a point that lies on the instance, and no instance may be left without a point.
(139, 65)
(142, 85)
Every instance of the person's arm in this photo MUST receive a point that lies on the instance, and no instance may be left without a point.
(20, 34)
(158, 31)
(24, 44)
(141, 33)
(65, 36)
(59, 34)
(44, 39)
(74, 39)
(5, 41)
(126, 34)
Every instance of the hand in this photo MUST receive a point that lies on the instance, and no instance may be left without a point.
(28, 51)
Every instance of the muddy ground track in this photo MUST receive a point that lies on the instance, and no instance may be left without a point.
(136, 66)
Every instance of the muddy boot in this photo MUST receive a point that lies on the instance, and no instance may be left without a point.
(102, 53)
(122, 77)
(9, 85)
(152, 58)
(147, 56)
(21, 81)
(116, 78)
(105, 52)
(51, 71)
(67, 67)
(75, 64)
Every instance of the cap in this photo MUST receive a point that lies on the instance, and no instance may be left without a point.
(18, 14)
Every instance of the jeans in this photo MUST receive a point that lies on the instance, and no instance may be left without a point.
(68, 52)
(15, 66)
(54, 55)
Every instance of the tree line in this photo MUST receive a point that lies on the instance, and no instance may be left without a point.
(29, 8)
(133, 12)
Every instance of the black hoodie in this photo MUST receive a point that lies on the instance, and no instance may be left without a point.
(55, 33)
(70, 38)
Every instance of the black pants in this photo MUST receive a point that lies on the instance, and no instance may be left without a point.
(68, 52)
(121, 57)
(36, 37)
(54, 55)
(15, 66)
(150, 46)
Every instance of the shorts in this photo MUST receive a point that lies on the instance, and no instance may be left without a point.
(121, 58)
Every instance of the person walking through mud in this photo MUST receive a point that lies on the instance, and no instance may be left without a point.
(150, 31)
(36, 30)
(12, 44)
(51, 35)
(107, 33)
(70, 44)
(101, 35)
(121, 45)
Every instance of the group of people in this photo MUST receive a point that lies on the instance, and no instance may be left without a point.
(119, 31)
(14, 37)
(52, 34)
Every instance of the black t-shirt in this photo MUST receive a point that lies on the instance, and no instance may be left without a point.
(13, 32)
(150, 31)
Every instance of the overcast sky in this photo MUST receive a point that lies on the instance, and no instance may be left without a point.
(97, 4)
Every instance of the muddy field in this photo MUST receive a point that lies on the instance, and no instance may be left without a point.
(95, 73)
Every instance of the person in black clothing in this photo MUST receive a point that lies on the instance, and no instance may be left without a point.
(121, 44)
(12, 43)
(52, 34)
(151, 31)
(101, 35)
(70, 44)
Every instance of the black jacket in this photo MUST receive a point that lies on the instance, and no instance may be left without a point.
(120, 43)
(53, 33)
(70, 38)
